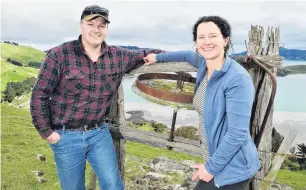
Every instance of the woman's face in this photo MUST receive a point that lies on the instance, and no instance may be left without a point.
(210, 41)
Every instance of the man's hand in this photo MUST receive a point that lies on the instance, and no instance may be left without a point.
(150, 59)
(53, 138)
(201, 174)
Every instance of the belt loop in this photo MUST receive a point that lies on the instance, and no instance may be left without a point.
(64, 128)
(97, 125)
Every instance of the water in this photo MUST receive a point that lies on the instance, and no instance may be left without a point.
(291, 93)
(293, 62)
(289, 105)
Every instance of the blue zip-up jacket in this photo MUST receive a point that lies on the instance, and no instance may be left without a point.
(226, 112)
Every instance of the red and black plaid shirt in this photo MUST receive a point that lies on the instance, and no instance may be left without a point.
(71, 90)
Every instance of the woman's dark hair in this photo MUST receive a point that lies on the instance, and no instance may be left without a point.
(222, 24)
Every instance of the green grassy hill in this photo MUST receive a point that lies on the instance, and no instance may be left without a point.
(13, 73)
(22, 54)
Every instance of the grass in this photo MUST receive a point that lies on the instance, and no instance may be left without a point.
(171, 86)
(295, 179)
(21, 143)
(22, 54)
(13, 73)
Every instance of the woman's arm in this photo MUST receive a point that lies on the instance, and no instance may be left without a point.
(176, 56)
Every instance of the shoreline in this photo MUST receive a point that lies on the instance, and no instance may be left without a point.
(282, 121)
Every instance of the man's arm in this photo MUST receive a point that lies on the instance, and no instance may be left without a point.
(134, 58)
(239, 99)
(46, 82)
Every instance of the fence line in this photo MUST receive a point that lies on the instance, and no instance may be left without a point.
(125, 127)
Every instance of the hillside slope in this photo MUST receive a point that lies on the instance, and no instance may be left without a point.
(13, 73)
(22, 54)
(287, 54)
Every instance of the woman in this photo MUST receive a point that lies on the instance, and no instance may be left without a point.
(224, 94)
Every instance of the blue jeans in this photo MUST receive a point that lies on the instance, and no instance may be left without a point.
(72, 150)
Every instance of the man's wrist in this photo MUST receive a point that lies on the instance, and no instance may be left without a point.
(47, 134)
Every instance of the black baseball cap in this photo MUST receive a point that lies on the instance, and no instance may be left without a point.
(93, 11)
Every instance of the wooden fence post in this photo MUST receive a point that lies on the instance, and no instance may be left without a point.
(270, 55)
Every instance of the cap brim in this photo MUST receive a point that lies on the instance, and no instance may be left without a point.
(93, 16)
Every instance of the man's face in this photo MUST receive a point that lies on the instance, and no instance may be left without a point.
(94, 31)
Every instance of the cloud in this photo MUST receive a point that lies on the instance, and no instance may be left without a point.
(165, 25)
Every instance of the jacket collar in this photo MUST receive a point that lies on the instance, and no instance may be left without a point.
(225, 67)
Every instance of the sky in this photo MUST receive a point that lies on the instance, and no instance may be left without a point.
(166, 25)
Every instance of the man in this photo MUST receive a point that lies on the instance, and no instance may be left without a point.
(72, 97)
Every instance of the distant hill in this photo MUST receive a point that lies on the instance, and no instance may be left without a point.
(292, 69)
(22, 54)
(288, 54)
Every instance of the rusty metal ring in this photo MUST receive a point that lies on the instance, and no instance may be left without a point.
(163, 94)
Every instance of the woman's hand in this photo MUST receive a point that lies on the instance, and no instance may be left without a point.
(150, 59)
(202, 173)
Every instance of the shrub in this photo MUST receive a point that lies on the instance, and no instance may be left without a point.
(14, 62)
(189, 132)
(159, 127)
(289, 165)
(34, 64)
(14, 89)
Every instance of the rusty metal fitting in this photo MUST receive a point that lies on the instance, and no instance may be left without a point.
(164, 94)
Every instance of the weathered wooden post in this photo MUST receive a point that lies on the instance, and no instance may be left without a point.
(268, 55)
(278, 160)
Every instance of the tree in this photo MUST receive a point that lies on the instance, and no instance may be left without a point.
(302, 155)
(301, 149)
(9, 93)
(14, 89)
